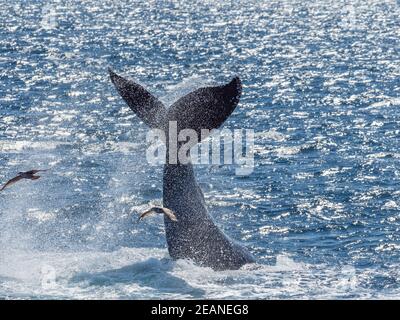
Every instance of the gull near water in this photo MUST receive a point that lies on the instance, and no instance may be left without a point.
(168, 213)
(30, 175)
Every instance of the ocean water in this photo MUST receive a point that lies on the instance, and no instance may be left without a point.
(321, 90)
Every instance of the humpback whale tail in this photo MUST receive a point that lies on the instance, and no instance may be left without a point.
(194, 235)
(204, 108)
(147, 107)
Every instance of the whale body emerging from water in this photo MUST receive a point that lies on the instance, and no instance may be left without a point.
(194, 236)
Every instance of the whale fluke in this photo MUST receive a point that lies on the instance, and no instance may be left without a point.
(193, 235)
(148, 108)
(206, 108)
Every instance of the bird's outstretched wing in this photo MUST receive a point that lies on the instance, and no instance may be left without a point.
(169, 213)
(144, 214)
(10, 182)
(36, 171)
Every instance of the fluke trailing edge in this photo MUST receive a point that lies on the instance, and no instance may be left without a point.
(194, 235)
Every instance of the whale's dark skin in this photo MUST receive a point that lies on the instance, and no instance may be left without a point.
(194, 236)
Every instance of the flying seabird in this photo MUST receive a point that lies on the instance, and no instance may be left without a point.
(169, 213)
(23, 175)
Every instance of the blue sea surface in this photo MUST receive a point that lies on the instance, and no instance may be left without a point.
(321, 90)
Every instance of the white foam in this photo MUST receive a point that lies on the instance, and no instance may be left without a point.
(13, 146)
(140, 273)
(272, 134)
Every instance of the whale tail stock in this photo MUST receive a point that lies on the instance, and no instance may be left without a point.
(194, 235)
(204, 108)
